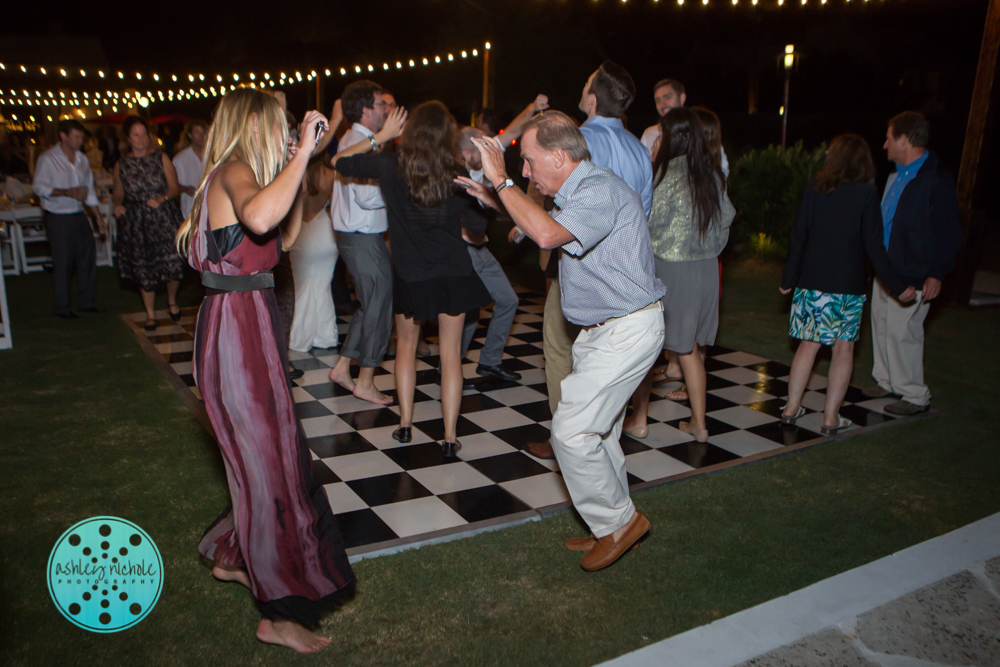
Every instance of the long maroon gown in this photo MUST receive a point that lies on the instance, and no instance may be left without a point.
(280, 526)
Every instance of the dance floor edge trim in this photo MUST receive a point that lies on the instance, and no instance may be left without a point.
(469, 529)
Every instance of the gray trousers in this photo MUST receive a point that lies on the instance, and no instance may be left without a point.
(497, 284)
(72, 241)
(367, 260)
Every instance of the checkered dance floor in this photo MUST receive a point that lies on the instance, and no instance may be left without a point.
(385, 493)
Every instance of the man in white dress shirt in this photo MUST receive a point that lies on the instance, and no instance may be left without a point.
(359, 218)
(190, 164)
(668, 94)
(64, 183)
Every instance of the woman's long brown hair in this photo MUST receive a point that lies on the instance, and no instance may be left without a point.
(682, 134)
(848, 160)
(429, 156)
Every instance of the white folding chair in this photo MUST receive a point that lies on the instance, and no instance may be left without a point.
(10, 252)
(31, 231)
(5, 341)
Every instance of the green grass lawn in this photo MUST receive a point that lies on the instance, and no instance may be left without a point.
(89, 427)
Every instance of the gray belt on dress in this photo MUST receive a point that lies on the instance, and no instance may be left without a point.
(221, 283)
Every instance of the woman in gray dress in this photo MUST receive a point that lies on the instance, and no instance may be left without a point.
(689, 227)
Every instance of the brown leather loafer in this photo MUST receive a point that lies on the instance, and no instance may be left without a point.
(606, 551)
(541, 450)
(587, 543)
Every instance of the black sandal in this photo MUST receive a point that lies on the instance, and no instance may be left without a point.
(150, 326)
(450, 449)
(177, 317)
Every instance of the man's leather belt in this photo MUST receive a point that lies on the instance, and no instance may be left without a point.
(655, 304)
(218, 283)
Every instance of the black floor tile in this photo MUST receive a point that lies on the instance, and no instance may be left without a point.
(715, 427)
(772, 368)
(507, 467)
(487, 502)
(326, 390)
(526, 350)
(783, 434)
(385, 489)
(322, 473)
(633, 480)
(519, 436)
(863, 416)
(777, 388)
(516, 365)
(715, 382)
(366, 419)
(716, 365)
(412, 457)
(188, 380)
(716, 350)
(698, 454)
(169, 338)
(308, 364)
(363, 527)
(434, 428)
(542, 388)
(478, 402)
(178, 357)
(538, 411)
(855, 395)
(713, 403)
(773, 407)
(324, 352)
(632, 445)
(310, 409)
(531, 337)
(339, 445)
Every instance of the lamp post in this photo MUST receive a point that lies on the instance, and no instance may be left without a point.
(789, 63)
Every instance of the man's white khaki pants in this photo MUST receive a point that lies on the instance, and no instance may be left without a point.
(898, 345)
(609, 361)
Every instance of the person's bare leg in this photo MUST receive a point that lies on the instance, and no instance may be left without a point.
(841, 367)
(341, 373)
(673, 365)
(693, 367)
(798, 378)
(291, 635)
(172, 288)
(148, 301)
(365, 389)
(640, 404)
(407, 334)
(238, 575)
(450, 348)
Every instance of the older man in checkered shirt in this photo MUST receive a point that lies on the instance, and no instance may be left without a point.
(610, 289)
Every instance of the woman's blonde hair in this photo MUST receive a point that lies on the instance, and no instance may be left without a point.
(232, 136)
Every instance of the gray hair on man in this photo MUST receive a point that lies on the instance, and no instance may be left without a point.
(466, 136)
(555, 131)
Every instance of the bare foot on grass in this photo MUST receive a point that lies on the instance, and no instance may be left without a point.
(292, 635)
(231, 574)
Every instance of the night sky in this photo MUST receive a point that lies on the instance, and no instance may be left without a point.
(860, 62)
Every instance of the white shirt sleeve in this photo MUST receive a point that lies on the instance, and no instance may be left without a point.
(88, 179)
(43, 182)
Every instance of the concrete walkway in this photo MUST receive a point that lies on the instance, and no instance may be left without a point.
(936, 603)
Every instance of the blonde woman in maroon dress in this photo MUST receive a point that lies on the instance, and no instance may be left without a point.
(279, 538)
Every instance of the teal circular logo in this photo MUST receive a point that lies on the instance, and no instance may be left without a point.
(105, 574)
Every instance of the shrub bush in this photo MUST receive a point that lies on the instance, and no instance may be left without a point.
(766, 187)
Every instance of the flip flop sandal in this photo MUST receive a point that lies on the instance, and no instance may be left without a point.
(661, 377)
(791, 419)
(679, 394)
(833, 430)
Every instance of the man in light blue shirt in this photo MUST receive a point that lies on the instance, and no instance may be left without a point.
(608, 93)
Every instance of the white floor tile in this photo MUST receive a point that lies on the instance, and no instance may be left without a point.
(816, 382)
(365, 464)
(532, 376)
(300, 395)
(741, 358)
(663, 435)
(740, 375)
(450, 477)
(742, 417)
(654, 464)
(498, 418)
(536, 360)
(341, 405)
(814, 422)
(814, 400)
(423, 411)
(315, 427)
(743, 443)
(527, 319)
(342, 498)
(539, 490)
(517, 395)
(422, 515)
(666, 411)
(176, 346)
(742, 395)
(318, 376)
(381, 437)
(182, 367)
(481, 445)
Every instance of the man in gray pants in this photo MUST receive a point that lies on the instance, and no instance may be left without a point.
(359, 217)
(493, 277)
(64, 183)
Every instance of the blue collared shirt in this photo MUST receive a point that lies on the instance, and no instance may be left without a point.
(893, 189)
(614, 147)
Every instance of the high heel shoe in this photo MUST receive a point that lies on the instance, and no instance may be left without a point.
(700, 434)
(177, 317)
(637, 432)
(402, 434)
(450, 449)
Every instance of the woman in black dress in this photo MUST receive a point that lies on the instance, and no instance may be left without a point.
(148, 217)
(432, 273)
